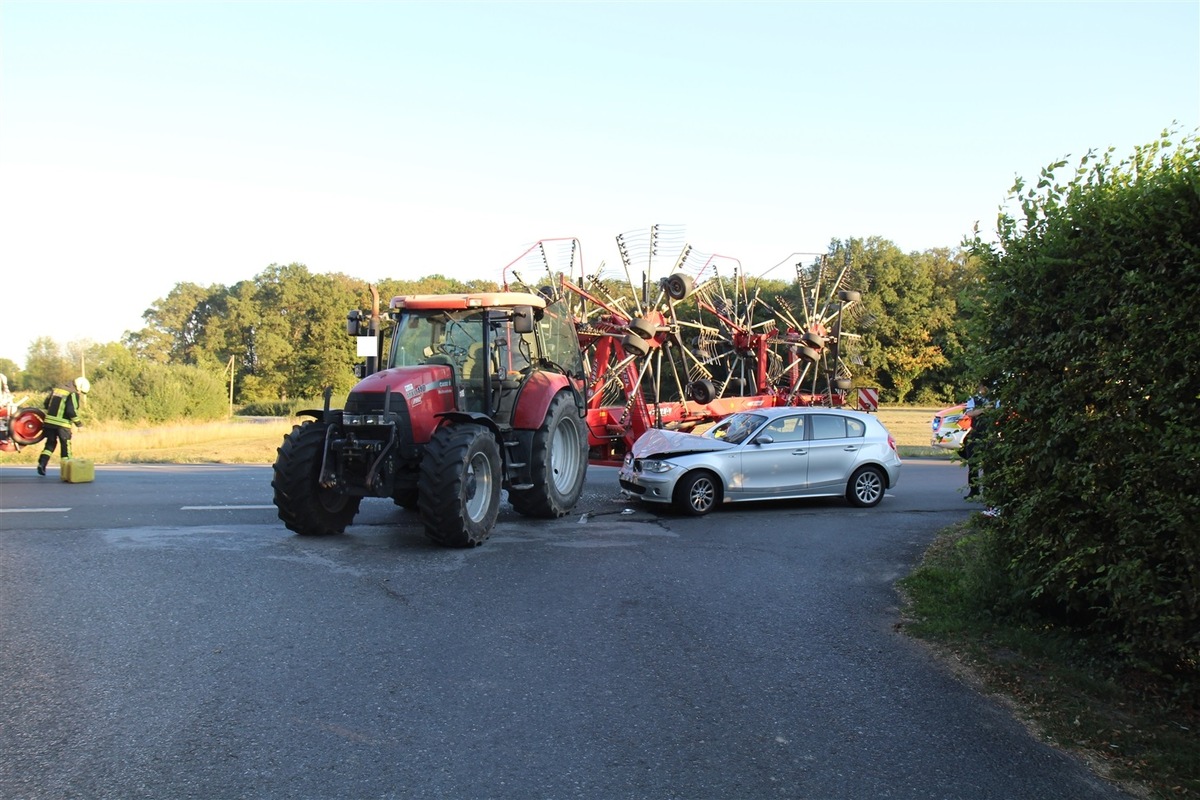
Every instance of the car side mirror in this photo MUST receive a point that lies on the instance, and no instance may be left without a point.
(764, 438)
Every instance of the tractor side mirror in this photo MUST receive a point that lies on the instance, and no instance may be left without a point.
(522, 318)
(354, 323)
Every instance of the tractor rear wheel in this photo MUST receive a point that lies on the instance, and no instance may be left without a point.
(460, 485)
(303, 505)
(558, 462)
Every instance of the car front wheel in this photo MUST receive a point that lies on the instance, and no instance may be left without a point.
(697, 493)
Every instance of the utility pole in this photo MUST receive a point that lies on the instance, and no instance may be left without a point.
(229, 368)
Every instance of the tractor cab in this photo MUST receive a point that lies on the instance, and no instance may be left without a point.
(490, 342)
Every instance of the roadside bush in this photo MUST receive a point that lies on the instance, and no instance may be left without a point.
(139, 390)
(1094, 460)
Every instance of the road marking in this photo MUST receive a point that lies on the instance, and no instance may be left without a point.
(33, 510)
(221, 508)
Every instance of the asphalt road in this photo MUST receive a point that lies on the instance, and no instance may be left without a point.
(163, 636)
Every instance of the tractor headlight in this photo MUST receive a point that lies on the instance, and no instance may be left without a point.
(364, 419)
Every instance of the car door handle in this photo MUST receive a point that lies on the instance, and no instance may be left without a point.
(850, 448)
(799, 452)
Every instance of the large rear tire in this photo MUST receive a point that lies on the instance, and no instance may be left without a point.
(558, 462)
(303, 505)
(460, 485)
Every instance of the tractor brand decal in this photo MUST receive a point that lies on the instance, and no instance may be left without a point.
(413, 394)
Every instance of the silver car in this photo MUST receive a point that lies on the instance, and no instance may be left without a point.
(768, 454)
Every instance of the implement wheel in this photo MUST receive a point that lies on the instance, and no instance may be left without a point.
(25, 428)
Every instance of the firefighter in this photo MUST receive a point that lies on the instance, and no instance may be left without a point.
(977, 407)
(62, 412)
(6, 397)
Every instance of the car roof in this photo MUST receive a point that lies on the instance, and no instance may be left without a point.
(779, 411)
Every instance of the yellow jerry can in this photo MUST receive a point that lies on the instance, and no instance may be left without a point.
(77, 470)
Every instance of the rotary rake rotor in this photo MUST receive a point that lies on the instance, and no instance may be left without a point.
(676, 338)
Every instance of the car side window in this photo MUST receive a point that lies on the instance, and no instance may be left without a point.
(787, 429)
(828, 426)
(855, 428)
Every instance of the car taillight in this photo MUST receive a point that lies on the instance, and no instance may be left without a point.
(891, 443)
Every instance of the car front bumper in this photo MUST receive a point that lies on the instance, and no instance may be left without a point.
(646, 486)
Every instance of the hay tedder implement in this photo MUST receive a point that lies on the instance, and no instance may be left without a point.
(669, 341)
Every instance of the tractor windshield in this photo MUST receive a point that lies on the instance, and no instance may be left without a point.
(437, 337)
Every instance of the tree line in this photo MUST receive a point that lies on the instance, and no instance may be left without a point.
(281, 336)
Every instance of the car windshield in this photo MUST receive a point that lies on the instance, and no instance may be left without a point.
(736, 428)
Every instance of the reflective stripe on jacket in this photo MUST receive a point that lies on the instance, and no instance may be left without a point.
(61, 407)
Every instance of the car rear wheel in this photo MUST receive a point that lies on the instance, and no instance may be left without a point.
(697, 493)
(866, 487)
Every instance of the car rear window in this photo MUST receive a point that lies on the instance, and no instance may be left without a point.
(831, 426)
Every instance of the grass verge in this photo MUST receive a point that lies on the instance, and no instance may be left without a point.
(236, 441)
(1137, 729)
(253, 440)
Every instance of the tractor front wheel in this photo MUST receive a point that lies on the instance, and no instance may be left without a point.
(460, 485)
(303, 505)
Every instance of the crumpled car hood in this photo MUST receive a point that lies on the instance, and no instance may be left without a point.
(657, 442)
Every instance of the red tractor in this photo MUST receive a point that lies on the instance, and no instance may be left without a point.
(478, 392)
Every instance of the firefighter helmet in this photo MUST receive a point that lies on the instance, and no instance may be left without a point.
(82, 385)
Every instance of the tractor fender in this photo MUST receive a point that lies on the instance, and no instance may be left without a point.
(471, 416)
(533, 402)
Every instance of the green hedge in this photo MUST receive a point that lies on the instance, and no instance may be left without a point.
(151, 392)
(1091, 334)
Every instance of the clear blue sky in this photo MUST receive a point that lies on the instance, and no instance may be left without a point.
(147, 144)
